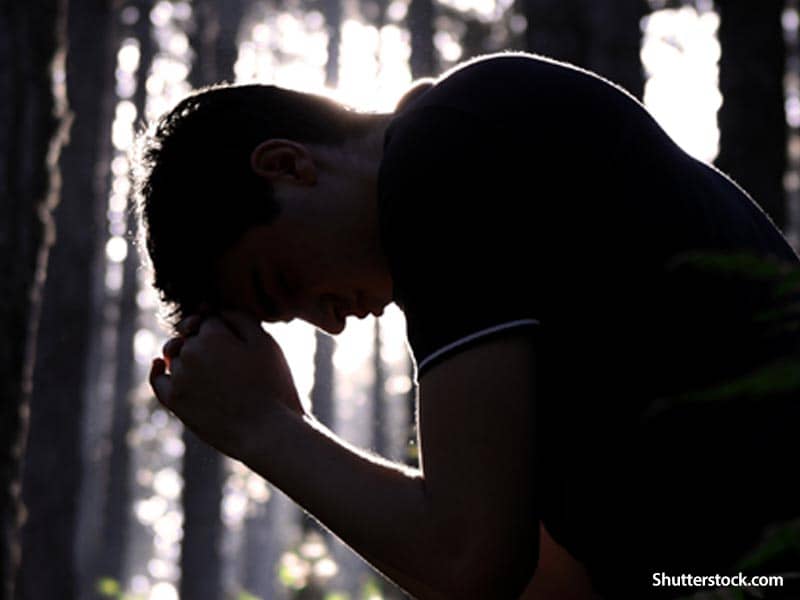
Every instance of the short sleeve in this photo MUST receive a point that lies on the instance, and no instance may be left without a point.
(458, 241)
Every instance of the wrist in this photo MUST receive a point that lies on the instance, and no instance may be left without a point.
(269, 445)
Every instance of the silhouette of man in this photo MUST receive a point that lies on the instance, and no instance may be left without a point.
(532, 221)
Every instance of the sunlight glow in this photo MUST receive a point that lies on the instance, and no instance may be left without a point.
(116, 249)
(168, 483)
(148, 511)
(163, 591)
(234, 508)
(354, 347)
(145, 346)
(486, 10)
(448, 46)
(298, 343)
(374, 69)
(300, 42)
(680, 53)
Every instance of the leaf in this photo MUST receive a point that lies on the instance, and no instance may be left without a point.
(778, 540)
(776, 378)
(779, 313)
(108, 587)
(790, 284)
(744, 264)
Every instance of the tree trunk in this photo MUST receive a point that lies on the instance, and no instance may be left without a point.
(116, 520)
(615, 41)
(603, 36)
(323, 407)
(752, 120)
(332, 10)
(53, 465)
(204, 467)
(420, 21)
(231, 15)
(32, 118)
(556, 30)
(380, 427)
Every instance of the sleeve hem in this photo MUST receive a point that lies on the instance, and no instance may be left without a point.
(433, 356)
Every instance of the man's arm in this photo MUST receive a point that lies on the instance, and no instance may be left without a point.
(464, 526)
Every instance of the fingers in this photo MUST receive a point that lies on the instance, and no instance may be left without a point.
(172, 348)
(186, 327)
(189, 325)
(160, 381)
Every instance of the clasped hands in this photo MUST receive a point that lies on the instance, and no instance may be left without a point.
(226, 379)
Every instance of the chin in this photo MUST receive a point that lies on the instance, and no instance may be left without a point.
(334, 329)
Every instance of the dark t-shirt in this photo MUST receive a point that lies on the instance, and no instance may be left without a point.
(523, 195)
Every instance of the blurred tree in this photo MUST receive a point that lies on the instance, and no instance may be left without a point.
(322, 406)
(752, 120)
(380, 425)
(322, 392)
(420, 21)
(603, 36)
(52, 473)
(332, 12)
(33, 120)
(213, 41)
(556, 28)
(231, 15)
(115, 526)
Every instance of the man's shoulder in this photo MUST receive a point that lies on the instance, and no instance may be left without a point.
(513, 62)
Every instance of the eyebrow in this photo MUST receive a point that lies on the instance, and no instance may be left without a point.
(264, 301)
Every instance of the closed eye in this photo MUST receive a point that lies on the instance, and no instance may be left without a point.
(265, 303)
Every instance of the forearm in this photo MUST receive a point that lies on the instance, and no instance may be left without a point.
(378, 508)
(467, 529)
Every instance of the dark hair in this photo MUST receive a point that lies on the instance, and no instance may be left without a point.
(195, 191)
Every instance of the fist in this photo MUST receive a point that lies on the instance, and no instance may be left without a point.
(226, 379)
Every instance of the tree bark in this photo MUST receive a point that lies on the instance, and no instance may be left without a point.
(420, 22)
(615, 41)
(603, 36)
(332, 11)
(53, 462)
(204, 467)
(556, 30)
(752, 120)
(32, 119)
(231, 15)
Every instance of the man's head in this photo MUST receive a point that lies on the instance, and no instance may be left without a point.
(263, 199)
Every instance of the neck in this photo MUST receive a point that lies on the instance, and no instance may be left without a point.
(366, 152)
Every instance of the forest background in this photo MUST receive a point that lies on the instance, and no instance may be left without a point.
(101, 493)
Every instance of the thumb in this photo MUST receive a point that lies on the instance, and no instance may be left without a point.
(160, 381)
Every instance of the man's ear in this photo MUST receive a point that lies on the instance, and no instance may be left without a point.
(280, 159)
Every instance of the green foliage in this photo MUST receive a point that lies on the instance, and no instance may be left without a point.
(745, 265)
(289, 579)
(782, 317)
(245, 595)
(108, 587)
(782, 377)
(371, 590)
(778, 541)
(773, 380)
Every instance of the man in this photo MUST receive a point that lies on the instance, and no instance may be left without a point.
(536, 227)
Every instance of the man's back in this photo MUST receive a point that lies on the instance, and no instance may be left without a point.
(522, 193)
